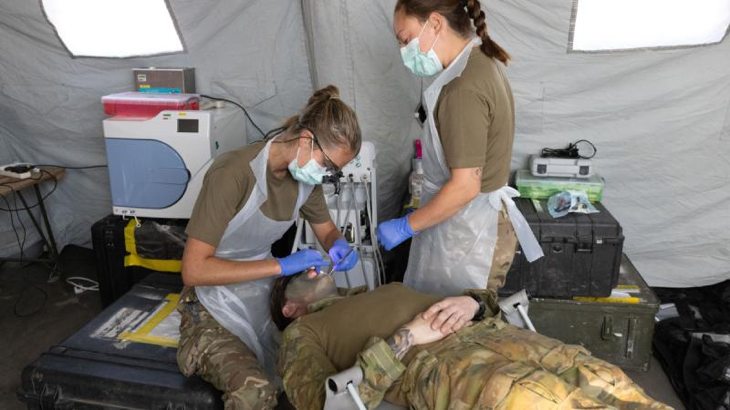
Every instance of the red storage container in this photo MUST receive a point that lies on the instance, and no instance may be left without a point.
(136, 104)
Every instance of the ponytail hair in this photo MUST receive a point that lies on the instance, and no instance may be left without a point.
(465, 17)
(331, 120)
(488, 46)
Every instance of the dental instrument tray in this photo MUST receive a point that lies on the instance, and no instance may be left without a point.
(531, 186)
(582, 254)
(142, 104)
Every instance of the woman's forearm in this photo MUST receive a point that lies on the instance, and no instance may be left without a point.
(464, 186)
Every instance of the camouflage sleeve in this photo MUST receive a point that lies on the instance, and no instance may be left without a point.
(304, 367)
(489, 299)
(380, 369)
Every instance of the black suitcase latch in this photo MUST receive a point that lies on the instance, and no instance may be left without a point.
(51, 397)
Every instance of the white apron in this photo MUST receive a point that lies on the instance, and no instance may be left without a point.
(243, 308)
(457, 253)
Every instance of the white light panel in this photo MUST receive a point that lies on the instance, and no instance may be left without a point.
(114, 28)
(627, 24)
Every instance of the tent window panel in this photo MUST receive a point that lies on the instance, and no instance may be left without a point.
(630, 24)
(114, 28)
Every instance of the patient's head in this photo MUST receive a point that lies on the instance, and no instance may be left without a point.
(290, 295)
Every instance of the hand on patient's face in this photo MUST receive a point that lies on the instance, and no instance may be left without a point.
(451, 314)
(309, 287)
(422, 331)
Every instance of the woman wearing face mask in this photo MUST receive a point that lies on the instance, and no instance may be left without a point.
(463, 234)
(249, 199)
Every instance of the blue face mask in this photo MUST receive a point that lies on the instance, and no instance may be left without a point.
(311, 173)
(421, 64)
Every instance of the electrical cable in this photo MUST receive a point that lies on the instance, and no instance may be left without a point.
(55, 185)
(239, 106)
(572, 151)
(373, 237)
(66, 167)
(15, 231)
(22, 225)
(78, 288)
(17, 209)
(357, 236)
(24, 315)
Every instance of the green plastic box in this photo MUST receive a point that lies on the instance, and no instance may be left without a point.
(531, 186)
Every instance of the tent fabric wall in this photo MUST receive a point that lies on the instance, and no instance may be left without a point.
(351, 45)
(660, 118)
(50, 111)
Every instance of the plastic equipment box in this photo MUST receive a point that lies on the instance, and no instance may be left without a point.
(139, 104)
(534, 187)
(618, 330)
(582, 254)
(97, 368)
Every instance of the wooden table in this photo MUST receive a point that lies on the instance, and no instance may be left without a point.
(10, 185)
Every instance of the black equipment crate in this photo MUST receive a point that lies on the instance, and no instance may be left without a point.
(582, 254)
(107, 236)
(92, 370)
(115, 279)
(618, 330)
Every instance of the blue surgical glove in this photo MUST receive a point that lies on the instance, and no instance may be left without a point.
(338, 251)
(392, 233)
(300, 261)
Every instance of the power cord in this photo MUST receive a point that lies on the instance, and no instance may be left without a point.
(66, 167)
(239, 106)
(55, 185)
(17, 209)
(20, 298)
(572, 151)
(75, 281)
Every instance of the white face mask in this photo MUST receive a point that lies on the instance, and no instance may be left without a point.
(311, 173)
(421, 64)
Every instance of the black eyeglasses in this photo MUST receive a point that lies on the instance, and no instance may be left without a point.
(328, 163)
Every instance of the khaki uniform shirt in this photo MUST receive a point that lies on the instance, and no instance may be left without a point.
(228, 185)
(475, 119)
(327, 341)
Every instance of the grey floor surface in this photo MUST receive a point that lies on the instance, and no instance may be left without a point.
(23, 339)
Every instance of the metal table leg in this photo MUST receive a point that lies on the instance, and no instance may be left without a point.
(54, 249)
(51, 243)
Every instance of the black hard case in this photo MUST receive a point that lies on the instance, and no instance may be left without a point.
(582, 254)
(115, 279)
(87, 371)
(107, 236)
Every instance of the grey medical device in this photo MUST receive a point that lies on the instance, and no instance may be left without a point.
(560, 167)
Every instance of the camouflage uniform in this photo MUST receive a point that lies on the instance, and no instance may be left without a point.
(489, 365)
(504, 252)
(206, 348)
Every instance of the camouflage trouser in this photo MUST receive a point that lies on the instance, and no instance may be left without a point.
(493, 365)
(504, 252)
(206, 348)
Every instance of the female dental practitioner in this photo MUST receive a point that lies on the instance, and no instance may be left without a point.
(464, 238)
(249, 199)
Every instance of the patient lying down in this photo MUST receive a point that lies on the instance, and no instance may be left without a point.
(462, 364)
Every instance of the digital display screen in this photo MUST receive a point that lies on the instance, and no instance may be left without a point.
(187, 125)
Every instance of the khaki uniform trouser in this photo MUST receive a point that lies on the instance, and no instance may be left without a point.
(209, 350)
(504, 253)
